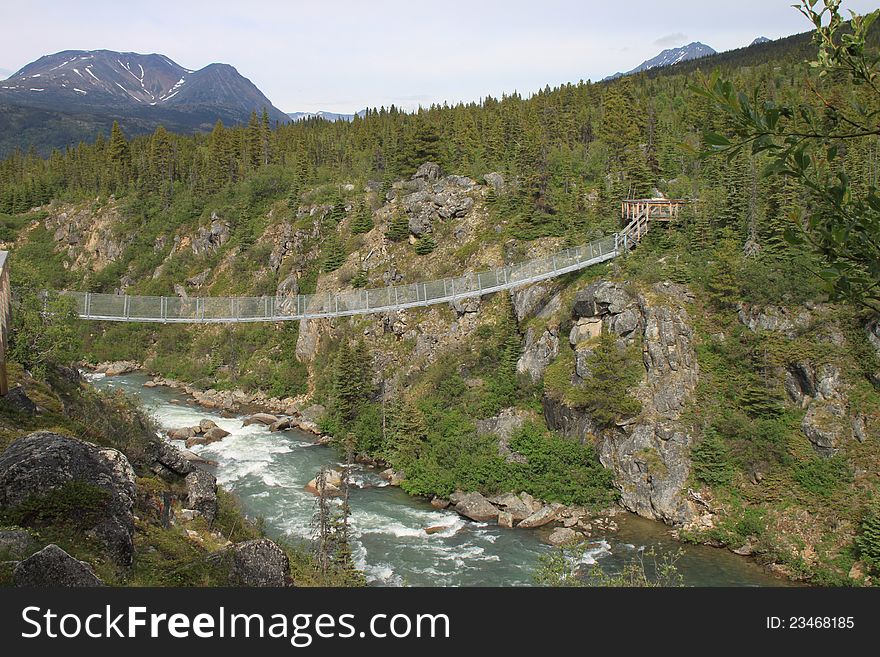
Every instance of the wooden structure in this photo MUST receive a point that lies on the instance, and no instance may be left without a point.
(637, 214)
(5, 301)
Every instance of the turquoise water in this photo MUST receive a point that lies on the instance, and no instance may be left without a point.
(268, 472)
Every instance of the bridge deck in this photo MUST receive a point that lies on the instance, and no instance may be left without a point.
(207, 310)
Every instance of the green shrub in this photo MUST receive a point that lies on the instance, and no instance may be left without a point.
(823, 476)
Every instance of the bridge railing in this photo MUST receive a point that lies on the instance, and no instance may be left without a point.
(117, 307)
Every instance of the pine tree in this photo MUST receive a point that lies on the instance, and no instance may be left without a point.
(426, 244)
(398, 230)
(119, 155)
(334, 253)
(363, 219)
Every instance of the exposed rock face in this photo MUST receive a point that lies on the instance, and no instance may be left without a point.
(775, 319)
(504, 425)
(87, 235)
(428, 197)
(538, 299)
(208, 240)
(825, 425)
(465, 306)
(201, 489)
(43, 462)
(649, 456)
(474, 506)
(538, 352)
(259, 563)
(52, 566)
(308, 339)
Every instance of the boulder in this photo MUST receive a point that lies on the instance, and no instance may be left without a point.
(52, 567)
(474, 506)
(436, 529)
(514, 506)
(504, 425)
(17, 398)
(601, 298)
(15, 544)
(439, 503)
(206, 425)
(259, 563)
(280, 425)
(260, 418)
(201, 493)
(531, 502)
(42, 463)
(170, 457)
(544, 516)
(505, 519)
(182, 433)
(562, 536)
(428, 171)
(120, 367)
(392, 476)
(332, 483)
(495, 180)
(214, 434)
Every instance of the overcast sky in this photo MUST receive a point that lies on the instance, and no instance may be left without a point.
(345, 55)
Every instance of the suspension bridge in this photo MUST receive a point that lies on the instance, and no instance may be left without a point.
(636, 215)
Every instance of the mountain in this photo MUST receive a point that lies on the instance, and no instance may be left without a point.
(75, 94)
(669, 57)
(759, 41)
(327, 116)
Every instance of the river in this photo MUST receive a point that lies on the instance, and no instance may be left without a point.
(268, 471)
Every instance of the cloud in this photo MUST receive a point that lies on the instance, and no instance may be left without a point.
(671, 40)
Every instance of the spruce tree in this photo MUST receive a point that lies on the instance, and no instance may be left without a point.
(363, 219)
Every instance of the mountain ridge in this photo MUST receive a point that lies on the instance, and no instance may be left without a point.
(668, 57)
(79, 93)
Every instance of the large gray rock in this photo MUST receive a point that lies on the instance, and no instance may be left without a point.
(539, 350)
(825, 425)
(17, 398)
(651, 463)
(474, 506)
(52, 567)
(259, 563)
(43, 462)
(171, 458)
(465, 306)
(15, 544)
(201, 493)
(429, 171)
(495, 180)
(504, 425)
(649, 454)
(514, 506)
(543, 516)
